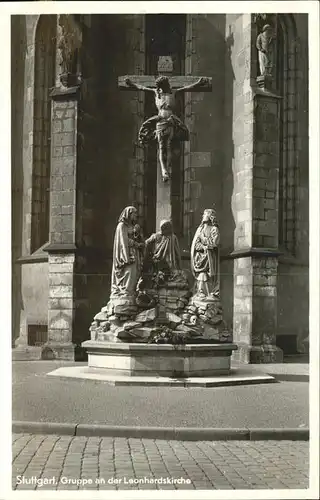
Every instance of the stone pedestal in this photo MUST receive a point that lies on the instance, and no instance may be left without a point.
(165, 360)
(265, 82)
(255, 308)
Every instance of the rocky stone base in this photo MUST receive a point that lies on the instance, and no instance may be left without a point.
(175, 317)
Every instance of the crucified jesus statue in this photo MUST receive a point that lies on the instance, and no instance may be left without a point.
(165, 126)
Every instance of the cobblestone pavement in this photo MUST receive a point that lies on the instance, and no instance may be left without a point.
(70, 463)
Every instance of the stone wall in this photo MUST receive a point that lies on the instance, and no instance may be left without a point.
(208, 168)
(205, 48)
(221, 167)
(110, 164)
(18, 30)
(293, 281)
(30, 288)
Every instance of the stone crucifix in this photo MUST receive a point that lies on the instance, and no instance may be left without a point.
(165, 126)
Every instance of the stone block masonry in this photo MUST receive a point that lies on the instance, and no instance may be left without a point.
(61, 248)
(255, 306)
(63, 170)
(256, 127)
(61, 305)
(266, 160)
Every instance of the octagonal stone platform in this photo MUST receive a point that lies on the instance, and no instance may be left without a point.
(160, 360)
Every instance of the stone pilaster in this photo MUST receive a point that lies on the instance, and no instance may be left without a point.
(62, 244)
(256, 215)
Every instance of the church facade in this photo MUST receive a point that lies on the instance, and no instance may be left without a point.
(76, 163)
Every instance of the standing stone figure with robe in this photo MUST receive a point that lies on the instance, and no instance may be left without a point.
(265, 48)
(205, 257)
(127, 255)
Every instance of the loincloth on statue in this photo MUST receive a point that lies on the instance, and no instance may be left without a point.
(158, 127)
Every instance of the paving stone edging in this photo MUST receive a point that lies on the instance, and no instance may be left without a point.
(166, 433)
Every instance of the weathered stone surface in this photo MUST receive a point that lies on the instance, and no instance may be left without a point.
(125, 310)
(93, 334)
(105, 325)
(115, 323)
(129, 325)
(226, 337)
(181, 304)
(101, 316)
(141, 334)
(108, 308)
(173, 318)
(192, 331)
(211, 333)
(146, 316)
(106, 337)
(192, 309)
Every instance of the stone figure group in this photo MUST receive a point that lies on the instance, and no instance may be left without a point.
(135, 259)
(151, 297)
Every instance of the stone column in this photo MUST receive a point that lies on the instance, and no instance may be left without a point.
(61, 248)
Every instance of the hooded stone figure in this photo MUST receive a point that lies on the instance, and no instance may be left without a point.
(205, 257)
(164, 247)
(126, 265)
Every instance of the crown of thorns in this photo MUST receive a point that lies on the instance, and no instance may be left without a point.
(161, 80)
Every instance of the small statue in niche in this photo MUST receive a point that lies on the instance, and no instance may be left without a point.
(69, 45)
(165, 127)
(265, 46)
(205, 257)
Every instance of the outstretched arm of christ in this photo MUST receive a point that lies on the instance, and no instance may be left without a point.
(133, 85)
(202, 81)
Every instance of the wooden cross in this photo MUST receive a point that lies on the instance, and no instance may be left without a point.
(165, 66)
